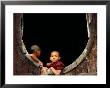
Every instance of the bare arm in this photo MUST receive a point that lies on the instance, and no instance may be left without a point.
(48, 64)
(37, 60)
(56, 72)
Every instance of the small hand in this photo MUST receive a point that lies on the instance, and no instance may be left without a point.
(41, 64)
(51, 68)
(48, 64)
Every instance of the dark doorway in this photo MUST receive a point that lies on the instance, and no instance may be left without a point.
(66, 33)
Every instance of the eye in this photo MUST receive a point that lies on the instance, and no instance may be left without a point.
(55, 55)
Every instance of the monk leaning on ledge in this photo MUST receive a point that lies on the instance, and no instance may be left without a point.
(55, 66)
(36, 51)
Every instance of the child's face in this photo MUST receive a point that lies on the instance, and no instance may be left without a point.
(38, 53)
(54, 56)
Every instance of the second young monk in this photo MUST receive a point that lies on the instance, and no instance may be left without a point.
(36, 51)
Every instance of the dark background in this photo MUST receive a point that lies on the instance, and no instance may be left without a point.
(66, 33)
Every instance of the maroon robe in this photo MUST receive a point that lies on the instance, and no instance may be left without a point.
(58, 65)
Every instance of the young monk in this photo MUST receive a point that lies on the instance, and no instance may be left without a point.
(55, 66)
(36, 51)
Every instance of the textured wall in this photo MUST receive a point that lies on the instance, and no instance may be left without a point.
(88, 66)
(84, 65)
(22, 65)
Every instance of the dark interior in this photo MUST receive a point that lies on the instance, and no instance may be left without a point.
(66, 33)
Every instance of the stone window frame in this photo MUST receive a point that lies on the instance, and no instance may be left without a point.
(92, 33)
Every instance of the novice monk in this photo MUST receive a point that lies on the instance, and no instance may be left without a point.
(36, 51)
(34, 57)
(55, 66)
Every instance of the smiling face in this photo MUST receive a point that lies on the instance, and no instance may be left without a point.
(54, 56)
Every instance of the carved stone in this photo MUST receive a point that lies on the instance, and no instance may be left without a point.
(85, 64)
(22, 65)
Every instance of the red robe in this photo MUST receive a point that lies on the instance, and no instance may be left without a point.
(58, 65)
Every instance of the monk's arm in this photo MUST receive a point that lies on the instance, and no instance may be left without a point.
(56, 72)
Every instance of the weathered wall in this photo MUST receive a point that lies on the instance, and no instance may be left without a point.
(22, 65)
(88, 65)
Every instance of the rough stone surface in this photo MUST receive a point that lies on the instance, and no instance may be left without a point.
(22, 65)
(88, 65)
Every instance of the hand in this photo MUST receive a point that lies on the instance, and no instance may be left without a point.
(48, 64)
(51, 68)
(41, 64)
